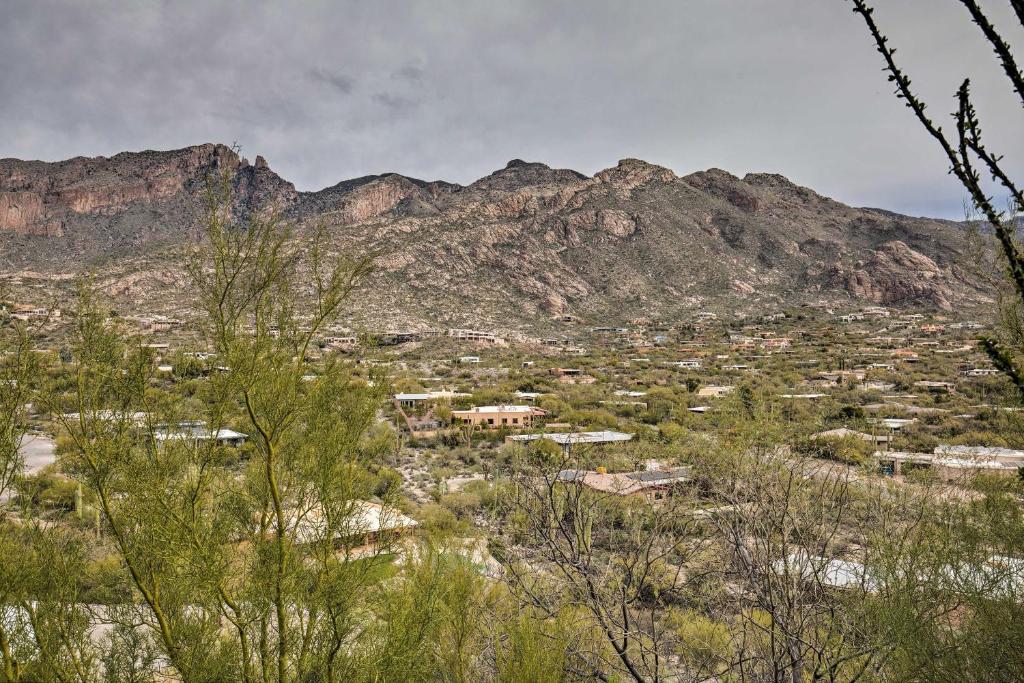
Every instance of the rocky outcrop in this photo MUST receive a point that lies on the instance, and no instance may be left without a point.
(40, 198)
(519, 174)
(375, 198)
(724, 185)
(630, 174)
(615, 222)
(895, 274)
(22, 213)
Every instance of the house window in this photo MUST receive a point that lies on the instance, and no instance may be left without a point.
(490, 420)
(515, 420)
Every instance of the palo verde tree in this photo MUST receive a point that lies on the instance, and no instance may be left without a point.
(243, 563)
(43, 621)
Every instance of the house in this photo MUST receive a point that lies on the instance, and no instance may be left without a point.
(411, 400)
(996, 575)
(476, 336)
(690, 363)
(568, 440)
(572, 376)
(844, 433)
(24, 312)
(937, 387)
(776, 343)
(651, 484)
(137, 418)
(631, 394)
(367, 527)
(839, 376)
(336, 342)
(196, 431)
(906, 355)
(979, 372)
(954, 462)
(894, 423)
(496, 417)
(632, 404)
(531, 396)
(426, 426)
(395, 338)
(414, 400)
(820, 571)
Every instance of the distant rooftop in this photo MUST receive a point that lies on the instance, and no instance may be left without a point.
(565, 439)
(498, 409)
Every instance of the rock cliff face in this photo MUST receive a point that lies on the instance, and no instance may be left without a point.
(22, 212)
(634, 240)
(128, 194)
(895, 274)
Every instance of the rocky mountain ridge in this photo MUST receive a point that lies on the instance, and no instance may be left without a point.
(526, 242)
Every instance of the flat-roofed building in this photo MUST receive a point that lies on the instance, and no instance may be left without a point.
(954, 462)
(569, 439)
(652, 484)
(712, 391)
(196, 431)
(476, 336)
(411, 400)
(497, 417)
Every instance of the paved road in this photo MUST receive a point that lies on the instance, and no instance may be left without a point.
(38, 451)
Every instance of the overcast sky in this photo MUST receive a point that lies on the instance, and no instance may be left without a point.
(446, 89)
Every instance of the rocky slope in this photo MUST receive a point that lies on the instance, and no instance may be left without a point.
(524, 243)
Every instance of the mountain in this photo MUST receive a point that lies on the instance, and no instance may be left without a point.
(522, 244)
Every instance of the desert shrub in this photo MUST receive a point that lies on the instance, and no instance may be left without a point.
(437, 518)
(462, 504)
(705, 642)
(48, 492)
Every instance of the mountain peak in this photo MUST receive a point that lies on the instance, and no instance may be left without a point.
(518, 174)
(519, 163)
(631, 173)
(782, 185)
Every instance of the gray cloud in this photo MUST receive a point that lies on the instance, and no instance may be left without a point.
(394, 101)
(453, 89)
(343, 83)
(410, 73)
